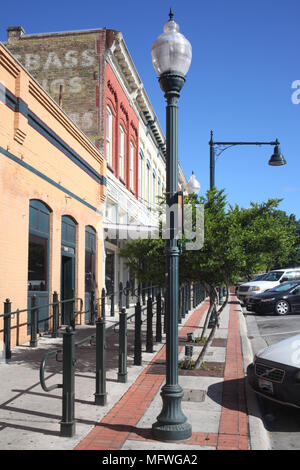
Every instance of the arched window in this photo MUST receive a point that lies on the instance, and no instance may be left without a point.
(68, 256)
(68, 232)
(131, 166)
(38, 260)
(154, 187)
(38, 250)
(90, 267)
(140, 175)
(121, 152)
(148, 182)
(109, 135)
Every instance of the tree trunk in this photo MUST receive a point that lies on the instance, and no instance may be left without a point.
(212, 296)
(213, 330)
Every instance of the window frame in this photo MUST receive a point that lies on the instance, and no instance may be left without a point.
(109, 136)
(121, 152)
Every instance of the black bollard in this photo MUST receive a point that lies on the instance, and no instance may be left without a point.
(7, 328)
(122, 373)
(158, 318)
(149, 334)
(67, 424)
(103, 303)
(33, 322)
(55, 311)
(100, 395)
(138, 335)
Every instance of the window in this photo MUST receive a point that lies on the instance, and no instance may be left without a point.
(39, 226)
(68, 231)
(154, 187)
(90, 268)
(131, 167)
(90, 259)
(109, 128)
(141, 169)
(121, 152)
(148, 182)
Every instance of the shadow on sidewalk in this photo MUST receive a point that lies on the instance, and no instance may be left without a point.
(233, 396)
(132, 432)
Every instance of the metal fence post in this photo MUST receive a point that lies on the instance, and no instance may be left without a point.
(127, 292)
(179, 310)
(194, 295)
(103, 303)
(7, 328)
(158, 318)
(33, 322)
(149, 335)
(122, 373)
(92, 308)
(165, 310)
(120, 296)
(138, 334)
(55, 315)
(112, 304)
(100, 395)
(143, 294)
(67, 424)
(72, 313)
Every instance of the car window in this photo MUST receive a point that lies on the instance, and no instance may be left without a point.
(259, 278)
(291, 275)
(273, 276)
(283, 287)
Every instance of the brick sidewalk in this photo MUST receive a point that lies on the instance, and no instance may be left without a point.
(120, 423)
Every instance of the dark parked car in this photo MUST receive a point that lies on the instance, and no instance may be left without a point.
(281, 299)
(275, 372)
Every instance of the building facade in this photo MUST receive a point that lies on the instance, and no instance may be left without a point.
(52, 196)
(91, 75)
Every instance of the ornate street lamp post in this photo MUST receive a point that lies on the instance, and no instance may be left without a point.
(171, 57)
(276, 159)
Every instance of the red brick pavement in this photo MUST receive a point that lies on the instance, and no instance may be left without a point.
(120, 423)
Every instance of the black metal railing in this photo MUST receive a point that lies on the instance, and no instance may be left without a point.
(34, 321)
(150, 302)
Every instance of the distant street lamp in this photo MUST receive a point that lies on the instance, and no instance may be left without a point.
(192, 186)
(171, 57)
(276, 159)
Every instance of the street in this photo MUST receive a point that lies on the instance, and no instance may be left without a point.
(281, 422)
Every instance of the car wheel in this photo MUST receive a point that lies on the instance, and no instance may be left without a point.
(282, 307)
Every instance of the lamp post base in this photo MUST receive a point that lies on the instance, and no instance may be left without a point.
(171, 424)
(172, 432)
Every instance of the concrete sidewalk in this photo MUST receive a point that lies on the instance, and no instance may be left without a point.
(217, 402)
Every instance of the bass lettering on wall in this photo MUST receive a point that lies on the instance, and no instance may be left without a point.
(70, 64)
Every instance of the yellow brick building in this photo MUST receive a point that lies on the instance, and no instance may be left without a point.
(52, 193)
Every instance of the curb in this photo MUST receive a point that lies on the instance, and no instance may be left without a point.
(258, 435)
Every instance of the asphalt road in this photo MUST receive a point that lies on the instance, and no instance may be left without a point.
(281, 422)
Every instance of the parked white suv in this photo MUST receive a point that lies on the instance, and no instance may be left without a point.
(268, 281)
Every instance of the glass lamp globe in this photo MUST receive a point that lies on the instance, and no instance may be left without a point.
(171, 52)
(193, 186)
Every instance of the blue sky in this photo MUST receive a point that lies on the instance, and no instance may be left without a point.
(245, 60)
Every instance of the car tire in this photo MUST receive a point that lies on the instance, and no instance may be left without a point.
(282, 307)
